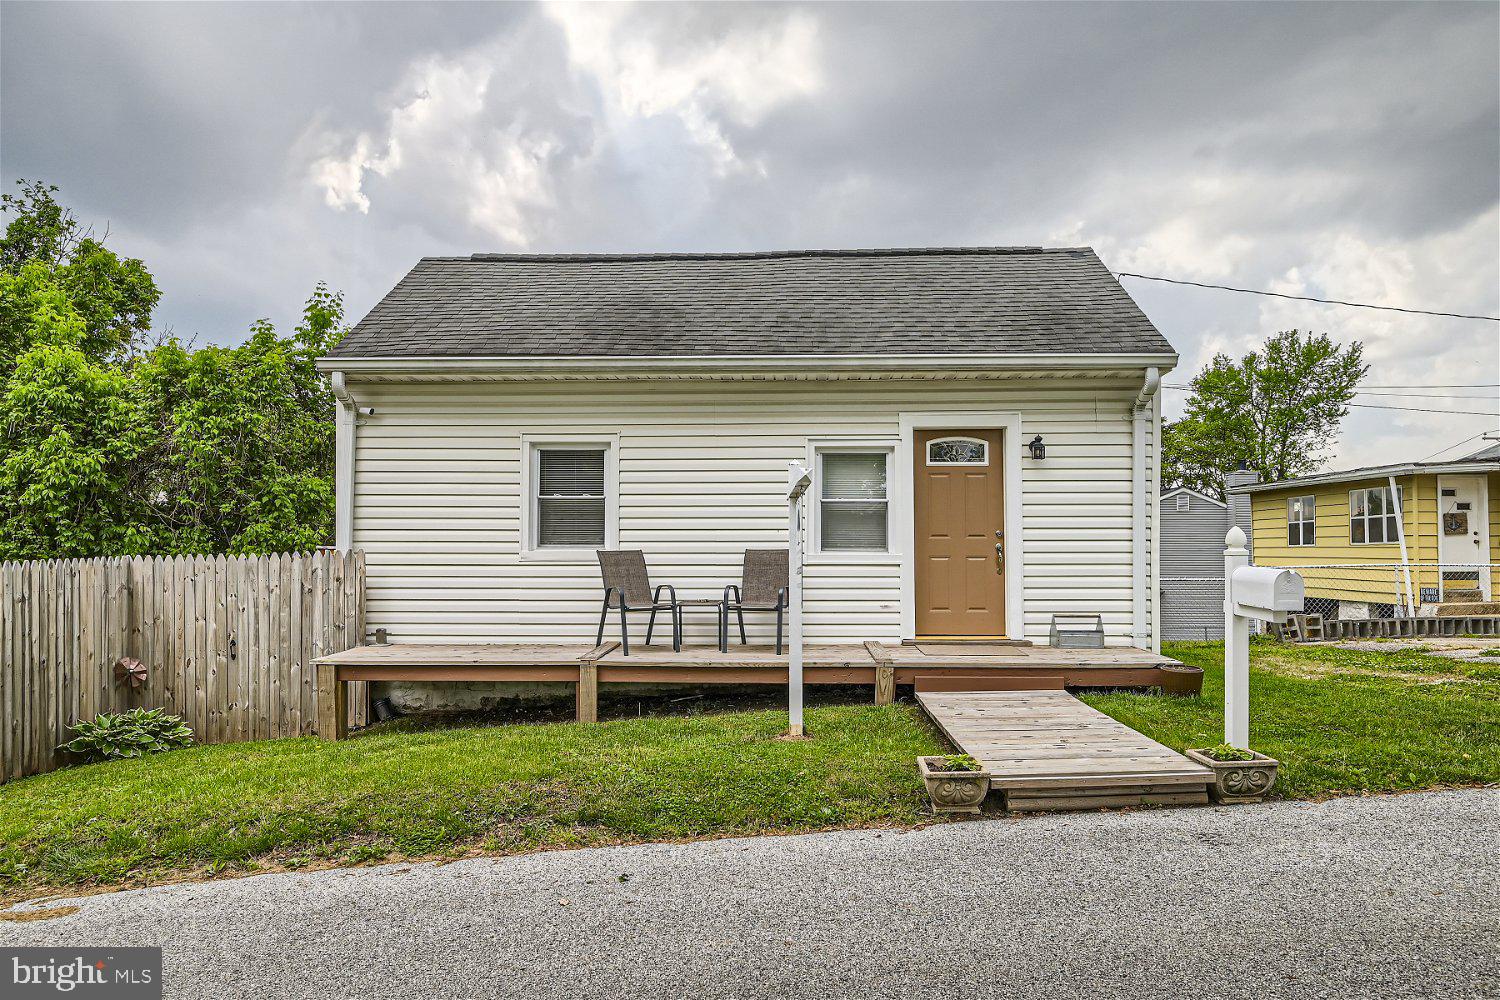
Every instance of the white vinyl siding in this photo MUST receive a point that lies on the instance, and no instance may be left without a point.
(440, 508)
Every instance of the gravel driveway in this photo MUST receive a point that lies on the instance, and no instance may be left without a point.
(1377, 897)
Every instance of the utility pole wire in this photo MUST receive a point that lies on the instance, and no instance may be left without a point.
(1396, 395)
(1381, 406)
(1455, 445)
(1305, 298)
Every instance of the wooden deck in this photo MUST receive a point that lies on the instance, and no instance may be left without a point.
(1048, 750)
(928, 666)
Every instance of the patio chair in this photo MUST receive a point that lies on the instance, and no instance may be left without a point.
(627, 589)
(765, 584)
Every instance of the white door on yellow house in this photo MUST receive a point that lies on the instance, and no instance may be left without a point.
(1462, 527)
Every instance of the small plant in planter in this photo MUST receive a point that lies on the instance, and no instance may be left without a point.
(956, 783)
(1239, 775)
(123, 735)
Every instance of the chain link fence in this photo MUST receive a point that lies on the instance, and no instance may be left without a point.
(1192, 607)
(1360, 591)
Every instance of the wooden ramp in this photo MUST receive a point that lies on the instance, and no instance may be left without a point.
(1048, 750)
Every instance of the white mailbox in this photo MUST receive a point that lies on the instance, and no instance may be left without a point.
(1265, 593)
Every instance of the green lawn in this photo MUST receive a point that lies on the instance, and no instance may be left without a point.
(1340, 722)
(402, 791)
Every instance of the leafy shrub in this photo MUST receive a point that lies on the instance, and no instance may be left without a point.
(958, 762)
(122, 735)
(1226, 752)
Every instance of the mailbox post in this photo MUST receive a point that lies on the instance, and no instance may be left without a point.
(1264, 593)
(797, 481)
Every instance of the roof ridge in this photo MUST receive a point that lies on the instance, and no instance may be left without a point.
(552, 258)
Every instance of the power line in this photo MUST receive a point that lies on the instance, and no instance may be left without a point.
(1305, 298)
(1397, 395)
(1382, 406)
(1454, 445)
(1425, 395)
(1443, 385)
(1423, 409)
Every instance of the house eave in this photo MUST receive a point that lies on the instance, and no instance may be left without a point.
(1375, 472)
(439, 368)
(1169, 494)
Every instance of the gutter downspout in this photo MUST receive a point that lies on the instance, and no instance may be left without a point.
(1142, 414)
(1411, 605)
(345, 427)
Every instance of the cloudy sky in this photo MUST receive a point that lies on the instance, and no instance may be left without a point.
(1349, 151)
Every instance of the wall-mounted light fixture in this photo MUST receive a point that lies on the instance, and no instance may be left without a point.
(1038, 450)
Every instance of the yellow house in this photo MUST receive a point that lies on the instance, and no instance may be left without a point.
(1385, 541)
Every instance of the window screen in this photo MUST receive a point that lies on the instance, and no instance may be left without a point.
(853, 503)
(570, 498)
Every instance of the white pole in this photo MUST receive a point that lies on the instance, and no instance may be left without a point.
(1411, 605)
(1236, 648)
(794, 615)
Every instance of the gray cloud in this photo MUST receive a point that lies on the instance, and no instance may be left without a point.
(246, 151)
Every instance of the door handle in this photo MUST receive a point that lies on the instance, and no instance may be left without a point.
(999, 557)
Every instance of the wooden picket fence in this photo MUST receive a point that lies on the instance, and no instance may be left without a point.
(227, 642)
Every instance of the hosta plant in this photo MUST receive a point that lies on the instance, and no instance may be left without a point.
(122, 735)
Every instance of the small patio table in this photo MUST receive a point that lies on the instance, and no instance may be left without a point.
(709, 602)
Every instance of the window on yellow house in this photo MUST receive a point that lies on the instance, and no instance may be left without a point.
(1301, 520)
(1372, 516)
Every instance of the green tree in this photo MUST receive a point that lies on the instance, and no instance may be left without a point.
(45, 246)
(70, 440)
(244, 437)
(1277, 409)
(109, 449)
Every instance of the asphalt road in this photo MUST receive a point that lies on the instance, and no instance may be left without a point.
(1377, 897)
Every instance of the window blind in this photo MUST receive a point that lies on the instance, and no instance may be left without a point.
(570, 499)
(853, 505)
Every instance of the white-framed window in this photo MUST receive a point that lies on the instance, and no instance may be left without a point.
(1372, 516)
(1183, 503)
(572, 495)
(852, 494)
(1301, 520)
(958, 451)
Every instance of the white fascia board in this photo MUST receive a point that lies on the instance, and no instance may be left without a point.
(717, 364)
(1376, 472)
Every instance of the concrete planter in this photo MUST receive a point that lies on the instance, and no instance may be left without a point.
(1238, 780)
(953, 791)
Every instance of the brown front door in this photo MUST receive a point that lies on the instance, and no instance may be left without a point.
(958, 511)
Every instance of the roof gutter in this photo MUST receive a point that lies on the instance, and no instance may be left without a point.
(346, 426)
(1143, 414)
(718, 364)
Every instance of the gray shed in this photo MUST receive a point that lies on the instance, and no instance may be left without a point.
(1193, 526)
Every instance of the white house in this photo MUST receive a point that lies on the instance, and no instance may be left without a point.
(502, 417)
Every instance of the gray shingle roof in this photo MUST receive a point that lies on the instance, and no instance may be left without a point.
(1010, 300)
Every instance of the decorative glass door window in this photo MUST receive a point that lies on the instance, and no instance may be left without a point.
(1301, 520)
(957, 451)
(570, 497)
(853, 504)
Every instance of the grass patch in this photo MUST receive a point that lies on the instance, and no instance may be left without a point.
(1339, 721)
(404, 792)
